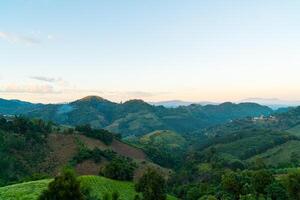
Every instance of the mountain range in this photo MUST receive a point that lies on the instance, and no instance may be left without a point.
(273, 103)
(134, 117)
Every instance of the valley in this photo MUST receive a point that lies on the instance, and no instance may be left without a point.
(192, 147)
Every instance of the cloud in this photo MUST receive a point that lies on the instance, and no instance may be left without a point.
(140, 94)
(28, 88)
(43, 78)
(50, 37)
(13, 38)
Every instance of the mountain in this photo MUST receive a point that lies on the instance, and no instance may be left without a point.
(272, 102)
(15, 107)
(177, 103)
(136, 117)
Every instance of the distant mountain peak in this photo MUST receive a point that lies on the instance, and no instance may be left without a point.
(92, 98)
(135, 101)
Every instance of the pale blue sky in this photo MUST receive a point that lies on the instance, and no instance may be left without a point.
(216, 50)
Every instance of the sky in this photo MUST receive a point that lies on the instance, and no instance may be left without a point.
(156, 50)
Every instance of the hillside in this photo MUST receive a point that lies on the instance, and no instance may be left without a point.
(15, 107)
(32, 149)
(163, 146)
(274, 140)
(99, 186)
(136, 117)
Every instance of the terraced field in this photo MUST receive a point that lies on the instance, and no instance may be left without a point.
(99, 186)
(23, 191)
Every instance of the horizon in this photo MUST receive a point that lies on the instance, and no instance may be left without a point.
(214, 51)
(273, 103)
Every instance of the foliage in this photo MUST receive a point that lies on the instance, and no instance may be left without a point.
(97, 185)
(164, 147)
(87, 154)
(136, 117)
(276, 191)
(293, 185)
(101, 134)
(64, 187)
(22, 147)
(120, 168)
(152, 186)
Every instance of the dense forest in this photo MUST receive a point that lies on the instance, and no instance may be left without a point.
(252, 157)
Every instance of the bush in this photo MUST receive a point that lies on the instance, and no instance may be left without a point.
(152, 186)
(119, 168)
(105, 136)
(64, 187)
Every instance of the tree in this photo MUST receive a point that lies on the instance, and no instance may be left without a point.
(152, 186)
(119, 168)
(194, 193)
(276, 191)
(295, 159)
(64, 187)
(231, 183)
(115, 195)
(208, 197)
(293, 185)
(261, 179)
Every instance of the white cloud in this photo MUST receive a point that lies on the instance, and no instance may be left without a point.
(50, 37)
(13, 38)
(28, 88)
(43, 78)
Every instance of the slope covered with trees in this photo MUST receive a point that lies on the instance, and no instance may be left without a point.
(136, 117)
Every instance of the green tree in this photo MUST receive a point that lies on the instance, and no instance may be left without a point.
(193, 194)
(295, 159)
(293, 185)
(119, 168)
(231, 183)
(64, 187)
(106, 196)
(208, 197)
(115, 195)
(152, 186)
(276, 191)
(261, 179)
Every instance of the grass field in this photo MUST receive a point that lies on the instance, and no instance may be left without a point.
(23, 191)
(99, 185)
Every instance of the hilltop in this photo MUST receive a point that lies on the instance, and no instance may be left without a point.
(134, 117)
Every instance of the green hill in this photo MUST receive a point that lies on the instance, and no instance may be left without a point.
(164, 138)
(295, 130)
(99, 186)
(31, 149)
(280, 155)
(163, 147)
(135, 117)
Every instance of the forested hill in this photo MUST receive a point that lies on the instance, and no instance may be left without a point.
(134, 117)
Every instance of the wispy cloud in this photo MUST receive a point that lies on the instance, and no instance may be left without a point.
(28, 88)
(43, 78)
(140, 94)
(14, 38)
